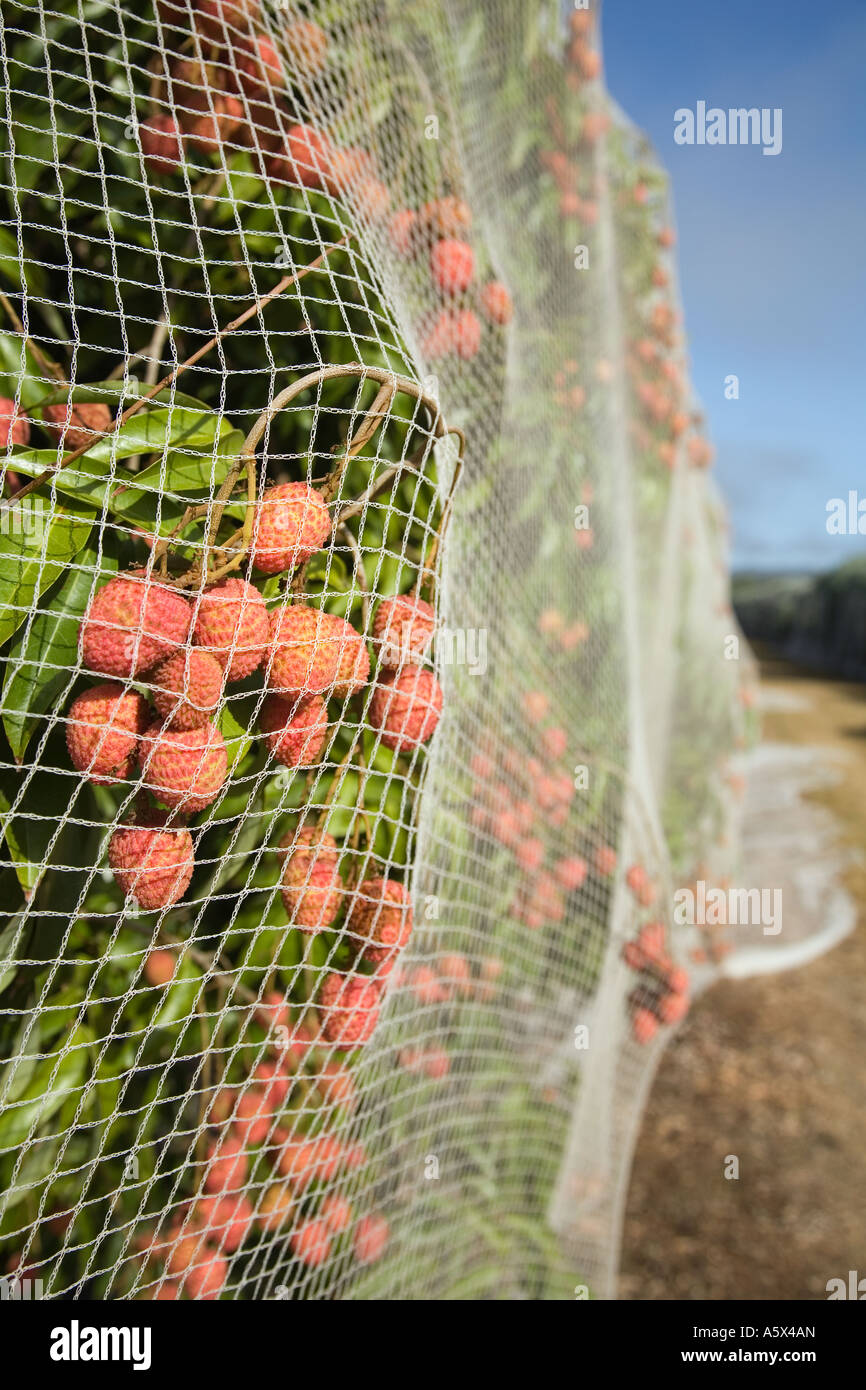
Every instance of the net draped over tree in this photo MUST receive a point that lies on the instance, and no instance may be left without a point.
(368, 686)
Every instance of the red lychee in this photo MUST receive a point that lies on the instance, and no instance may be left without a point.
(103, 729)
(226, 1220)
(307, 159)
(187, 688)
(311, 886)
(311, 1243)
(183, 768)
(570, 873)
(349, 1009)
(452, 265)
(496, 303)
(307, 46)
(217, 127)
(252, 1117)
(132, 623)
(159, 968)
(220, 21)
(352, 658)
(402, 229)
(336, 1213)
(467, 334)
(79, 423)
(260, 67)
(230, 622)
(446, 217)
(291, 524)
(405, 707)
(380, 918)
(276, 1208)
(161, 147)
(152, 863)
(371, 1238)
(227, 1166)
(302, 659)
(644, 1026)
(14, 424)
(294, 731)
(205, 1280)
(403, 630)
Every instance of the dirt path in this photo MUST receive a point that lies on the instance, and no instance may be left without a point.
(773, 1070)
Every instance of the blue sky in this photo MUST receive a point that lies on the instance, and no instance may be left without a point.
(771, 249)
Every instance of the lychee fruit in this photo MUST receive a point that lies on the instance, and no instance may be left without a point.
(260, 67)
(403, 630)
(183, 768)
(605, 860)
(78, 424)
(452, 265)
(161, 147)
(405, 707)
(152, 863)
(307, 46)
(311, 1243)
(226, 1220)
(206, 1280)
(14, 424)
(466, 334)
(294, 731)
(496, 303)
(371, 1238)
(132, 623)
(570, 873)
(311, 887)
(276, 1207)
(159, 968)
(103, 729)
(446, 217)
(217, 127)
(187, 688)
(336, 1213)
(227, 1166)
(307, 159)
(644, 1026)
(217, 19)
(402, 229)
(252, 1117)
(230, 622)
(349, 1009)
(303, 660)
(352, 658)
(380, 918)
(291, 523)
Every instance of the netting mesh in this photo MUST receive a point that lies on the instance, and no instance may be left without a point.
(337, 941)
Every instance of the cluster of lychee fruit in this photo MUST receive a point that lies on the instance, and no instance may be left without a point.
(139, 631)
(440, 232)
(661, 996)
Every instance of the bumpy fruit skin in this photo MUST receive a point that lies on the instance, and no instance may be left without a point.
(403, 630)
(230, 622)
(302, 659)
(311, 886)
(380, 918)
(14, 425)
(153, 864)
(353, 659)
(217, 127)
(217, 19)
(260, 66)
(311, 1243)
(187, 688)
(132, 623)
(294, 731)
(452, 265)
(291, 524)
(103, 729)
(80, 423)
(349, 1009)
(496, 303)
(183, 768)
(371, 1238)
(405, 707)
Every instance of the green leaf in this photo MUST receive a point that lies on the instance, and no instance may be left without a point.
(43, 654)
(47, 1090)
(7, 939)
(35, 545)
(26, 872)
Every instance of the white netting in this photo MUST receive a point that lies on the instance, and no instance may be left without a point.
(491, 279)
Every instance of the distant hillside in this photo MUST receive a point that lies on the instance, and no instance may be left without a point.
(819, 620)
